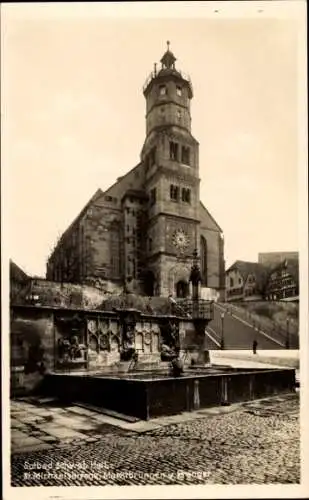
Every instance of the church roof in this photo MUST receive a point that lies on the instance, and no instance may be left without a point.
(202, 206)
(96, 195)
(135, 193)
(16, 273)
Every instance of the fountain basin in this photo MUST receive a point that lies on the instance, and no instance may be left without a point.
(148, 395)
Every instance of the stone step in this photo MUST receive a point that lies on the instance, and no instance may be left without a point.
(110, 413)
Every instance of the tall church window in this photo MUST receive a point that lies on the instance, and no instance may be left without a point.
(174, 192)
(173, 151)
(203, 253)
(162, 90)
(186, 195)
(179, 91)
(185, 155)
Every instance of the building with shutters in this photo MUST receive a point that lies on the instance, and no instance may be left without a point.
(147, 225)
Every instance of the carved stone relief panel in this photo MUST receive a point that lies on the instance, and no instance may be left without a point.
(92, 326)
(114, 344)
(155, 341)
(139, 344)
(104, 341)
(146, 326)
(103, 325)
(139, 326)
(147, 341)
(93, 343)
(114, 326)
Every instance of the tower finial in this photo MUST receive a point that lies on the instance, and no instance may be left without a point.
(168, 44)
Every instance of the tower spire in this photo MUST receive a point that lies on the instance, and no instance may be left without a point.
(168, 59)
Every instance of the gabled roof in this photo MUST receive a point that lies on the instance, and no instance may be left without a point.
(93, 199)
(122, 177)
(16, 273)
(96, 195)
(202, 206)
(246, 268)
(291, 266)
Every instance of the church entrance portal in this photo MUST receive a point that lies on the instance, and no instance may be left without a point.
(149, 284)
(182, 289)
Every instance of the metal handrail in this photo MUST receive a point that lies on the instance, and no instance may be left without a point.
(154, 74)
(273, 330)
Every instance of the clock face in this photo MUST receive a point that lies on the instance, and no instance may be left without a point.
(180, 239)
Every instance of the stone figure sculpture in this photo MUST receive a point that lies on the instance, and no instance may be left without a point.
(128, 351)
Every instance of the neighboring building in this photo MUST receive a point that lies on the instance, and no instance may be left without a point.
(147, 225)
(19, 280)
(245, 281)
(283, 282)
(255, 281)
(272, 259)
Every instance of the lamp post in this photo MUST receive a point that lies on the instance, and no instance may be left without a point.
(287, 342)
(222, 331)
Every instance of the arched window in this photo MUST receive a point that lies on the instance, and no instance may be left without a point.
(203, 253)
(182, 289)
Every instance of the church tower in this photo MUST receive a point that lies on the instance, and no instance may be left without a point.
(171, 171)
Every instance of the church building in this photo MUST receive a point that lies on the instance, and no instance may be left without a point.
(148, 224)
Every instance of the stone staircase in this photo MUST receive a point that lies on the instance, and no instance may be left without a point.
(239, 332)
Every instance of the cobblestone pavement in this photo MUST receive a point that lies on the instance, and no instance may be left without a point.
(256, 442)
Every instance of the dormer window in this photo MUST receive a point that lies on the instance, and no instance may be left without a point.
(179, 91)
(162, 90)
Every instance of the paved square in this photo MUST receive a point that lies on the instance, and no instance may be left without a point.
(254, 442)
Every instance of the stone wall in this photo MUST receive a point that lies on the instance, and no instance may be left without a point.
(37, 333)
(68, 295)
(32, 343)
(103, 232)
(132, 180)
(215, 263)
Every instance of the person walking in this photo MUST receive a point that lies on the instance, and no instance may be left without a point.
(254, 346)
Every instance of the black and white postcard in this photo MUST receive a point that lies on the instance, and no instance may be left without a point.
(155, 250)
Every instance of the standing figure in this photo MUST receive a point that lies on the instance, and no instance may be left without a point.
(254, 346)
(172, 303)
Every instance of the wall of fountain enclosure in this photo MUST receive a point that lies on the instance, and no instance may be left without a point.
(45, 339)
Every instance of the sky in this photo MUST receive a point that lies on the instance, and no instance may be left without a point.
(73, 117)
